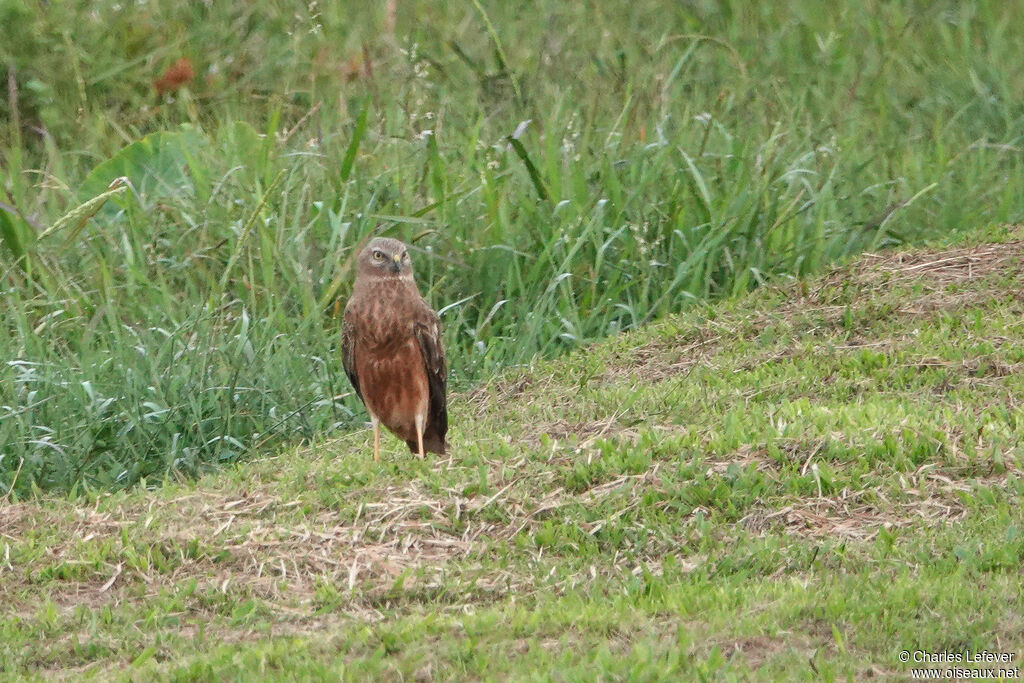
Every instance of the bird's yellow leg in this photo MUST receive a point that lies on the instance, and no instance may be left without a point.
(419, 435)
(376, 437)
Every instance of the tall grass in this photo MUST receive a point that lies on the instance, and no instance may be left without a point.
(565, 171)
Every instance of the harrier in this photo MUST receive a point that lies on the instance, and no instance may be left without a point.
(391, 350)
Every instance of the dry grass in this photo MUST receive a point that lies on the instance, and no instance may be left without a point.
(943, 267)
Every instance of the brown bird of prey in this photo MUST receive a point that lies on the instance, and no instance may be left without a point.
(391, 350)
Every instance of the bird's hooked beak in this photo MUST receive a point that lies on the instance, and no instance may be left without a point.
(396, 264)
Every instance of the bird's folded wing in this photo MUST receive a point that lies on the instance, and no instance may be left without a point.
(428, 335)
(348, 356)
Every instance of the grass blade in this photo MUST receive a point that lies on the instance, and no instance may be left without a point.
(247, 228)
(535, 178)
(353, 146)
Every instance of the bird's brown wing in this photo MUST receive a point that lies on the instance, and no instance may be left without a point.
(348, 354)
(427, 329)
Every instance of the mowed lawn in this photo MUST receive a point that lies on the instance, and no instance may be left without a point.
(797, 484)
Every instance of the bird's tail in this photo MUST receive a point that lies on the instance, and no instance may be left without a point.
(432, 443)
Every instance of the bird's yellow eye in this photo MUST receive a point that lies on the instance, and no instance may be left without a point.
(378, 256)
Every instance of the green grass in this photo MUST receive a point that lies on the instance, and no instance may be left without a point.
(566, 171)
(796, 484)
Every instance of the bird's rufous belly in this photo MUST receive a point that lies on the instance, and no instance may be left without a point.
(394, 387)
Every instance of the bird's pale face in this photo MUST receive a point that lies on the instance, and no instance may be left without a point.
(385, 258)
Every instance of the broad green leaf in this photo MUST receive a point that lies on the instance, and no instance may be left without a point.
(155, 166)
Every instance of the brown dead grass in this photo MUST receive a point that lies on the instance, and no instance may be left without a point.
(945, 278)
(659, 360)
(860, 515)
(256, 544)
(584, 433)
(755, 651)
(944, 266)
(263, 546)
(243, 541)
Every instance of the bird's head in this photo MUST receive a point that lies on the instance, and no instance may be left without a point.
(385, 257)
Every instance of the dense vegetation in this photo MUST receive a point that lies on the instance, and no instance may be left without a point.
(565, 170)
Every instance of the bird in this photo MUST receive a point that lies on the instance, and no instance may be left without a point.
(392, 351)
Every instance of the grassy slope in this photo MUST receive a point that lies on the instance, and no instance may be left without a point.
(799, 483)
